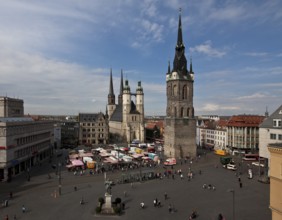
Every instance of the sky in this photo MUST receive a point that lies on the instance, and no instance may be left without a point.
(56, 55)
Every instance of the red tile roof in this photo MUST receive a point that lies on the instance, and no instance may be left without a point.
(245, 121)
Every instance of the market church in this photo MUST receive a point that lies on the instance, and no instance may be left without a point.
(126, 118)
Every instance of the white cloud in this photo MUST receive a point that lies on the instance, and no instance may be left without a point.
(254, 96)
(212, 107)
(256, 54)
(207, 49)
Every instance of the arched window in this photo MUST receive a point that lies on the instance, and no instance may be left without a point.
(184, 92)
(175, 90)
(188, 112)
(175, 111)
(182, 112)
(168, 91)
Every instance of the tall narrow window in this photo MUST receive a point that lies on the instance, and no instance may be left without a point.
(184, 92)
(175, 112)
(174, 90)
(182, 112)
(188, 112)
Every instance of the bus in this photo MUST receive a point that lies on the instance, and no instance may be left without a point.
(251, 157)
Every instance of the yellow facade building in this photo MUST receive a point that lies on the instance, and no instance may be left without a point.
(276, 180)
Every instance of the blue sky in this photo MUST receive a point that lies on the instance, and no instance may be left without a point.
(56, 55)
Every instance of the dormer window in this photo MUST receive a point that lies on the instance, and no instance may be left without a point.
(277, 123)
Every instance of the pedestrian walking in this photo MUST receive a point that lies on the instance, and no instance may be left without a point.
(23, 209)
(240, 184)
(169, 208)
(165, 196)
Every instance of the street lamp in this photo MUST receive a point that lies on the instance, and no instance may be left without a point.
(60, 178)
(233, 205)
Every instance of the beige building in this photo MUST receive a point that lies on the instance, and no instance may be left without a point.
(24, 143)
(93, 128)
(276, 180)
(243, 132)
(126, 118)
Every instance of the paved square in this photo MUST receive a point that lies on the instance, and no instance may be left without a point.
(251, 201)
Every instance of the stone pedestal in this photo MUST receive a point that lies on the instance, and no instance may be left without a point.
(107, 207)
(108, 201)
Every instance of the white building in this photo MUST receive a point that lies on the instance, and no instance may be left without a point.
(270, 132)
(24, 143)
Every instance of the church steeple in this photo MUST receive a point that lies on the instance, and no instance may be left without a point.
(111, 95)
(179, 36)
(180, 62)
(168, 68)
(191, 68)
(121, 88)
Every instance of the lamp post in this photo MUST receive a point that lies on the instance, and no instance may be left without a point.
(233, 203)
(59, 178)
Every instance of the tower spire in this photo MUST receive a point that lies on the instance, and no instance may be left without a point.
(191, 68)
(111, 89)
(168, 68)
(121, 88)
(111, 95)
(179, 36)
(180, 62)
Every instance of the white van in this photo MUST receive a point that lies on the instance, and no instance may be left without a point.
(231, 166)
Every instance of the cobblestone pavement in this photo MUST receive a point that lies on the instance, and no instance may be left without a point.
(251, 202)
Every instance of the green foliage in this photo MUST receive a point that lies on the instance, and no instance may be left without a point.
(118, 200)
(117, 210)
(98, 209)
(101, 200)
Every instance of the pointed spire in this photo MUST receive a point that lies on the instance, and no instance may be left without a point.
(121, 89)
(168, 69)
(266, 112)
(191, 68)
(111, 89)
(179, 36)
(180, 62)
(111, 95)
(121, 82)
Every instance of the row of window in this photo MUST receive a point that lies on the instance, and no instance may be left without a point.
(92, 135)
(277, 123)
(276, 136)
(92, 124)
(29, 151)
(32, 138)
(93, 130)
(173, 91)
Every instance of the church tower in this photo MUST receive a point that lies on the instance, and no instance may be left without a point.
(180, 123)
(111, 97)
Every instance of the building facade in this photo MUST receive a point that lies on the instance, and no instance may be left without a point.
(180, 122)
(126, 118)
(243, 133)
(275, 180)
(270, 131)
(24, 143)
(93, 129)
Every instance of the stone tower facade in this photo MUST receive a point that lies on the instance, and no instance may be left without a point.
(126, 118)
(180, 123)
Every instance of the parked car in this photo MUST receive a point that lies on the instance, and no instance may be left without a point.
(231, 166)
(258, 164)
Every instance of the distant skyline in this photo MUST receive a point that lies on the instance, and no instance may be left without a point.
(56, 55)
